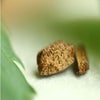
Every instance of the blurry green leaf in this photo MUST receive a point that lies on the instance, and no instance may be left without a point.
(86, 31)
(7, 47)
(13, 84)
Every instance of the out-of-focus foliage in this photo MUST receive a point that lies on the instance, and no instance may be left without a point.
(83, 31)
(13, 84)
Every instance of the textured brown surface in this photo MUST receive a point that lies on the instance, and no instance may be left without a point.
(55, 58)
(81, 59)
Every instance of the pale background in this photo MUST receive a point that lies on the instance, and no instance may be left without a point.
(27, 41)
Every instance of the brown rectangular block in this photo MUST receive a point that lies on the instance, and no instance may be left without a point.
(82, 60)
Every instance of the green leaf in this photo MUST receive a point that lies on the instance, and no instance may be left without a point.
(13, 84)
(7, 47)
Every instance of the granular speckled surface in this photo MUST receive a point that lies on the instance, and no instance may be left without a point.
(55, 58)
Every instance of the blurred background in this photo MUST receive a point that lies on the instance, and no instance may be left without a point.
(33, 24)
(77, 18)
(36, 10)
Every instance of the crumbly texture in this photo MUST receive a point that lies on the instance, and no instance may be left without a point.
(55, 58)
(82, 60)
